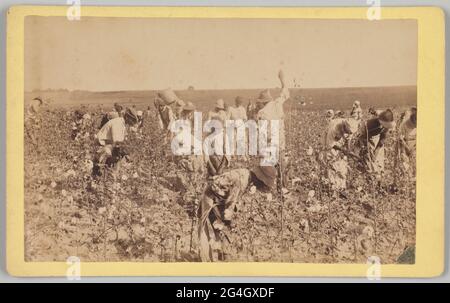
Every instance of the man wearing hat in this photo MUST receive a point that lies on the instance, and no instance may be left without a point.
(164, 111)
(112, 135)
(335, 141)
(238, 114)
(329, 115)
(190, 163)
(371, 139)
(220, 201)
(219, 112)
(273, 110)
(356, 112)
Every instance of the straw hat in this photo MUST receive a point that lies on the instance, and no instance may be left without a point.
(264, 97)
(220, 104)
(330, 113)
(386, 119)
(356, 103)
(266, 174)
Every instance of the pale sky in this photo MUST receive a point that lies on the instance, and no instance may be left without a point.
(111, 54)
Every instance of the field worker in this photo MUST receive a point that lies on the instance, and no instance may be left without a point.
(215, 164)
(32, 121)
(219, 204)
(220, 115)
(329, 115)
(164, 112)
(140, 116)
(238, 114)
(238, 111)
(149, 111)
(187, 112)
(339, 114)
(219, 112)
(356, 112)
(273, 110)
(335, 144)
(373, 113)
(371, 139)
(252, 110)
(115, 113)
(406, 143)
(179, 107)
(191, 163)
(112, 136)
(80, 124)
(137, 128)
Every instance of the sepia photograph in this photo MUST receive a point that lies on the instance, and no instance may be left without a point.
(220, 140)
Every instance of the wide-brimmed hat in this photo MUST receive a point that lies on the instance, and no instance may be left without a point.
(264, 97)
(139, 113)
(386, 119)
(266, 174)
(356, 103)
(220, 104)
(189, 107)
(330, 113)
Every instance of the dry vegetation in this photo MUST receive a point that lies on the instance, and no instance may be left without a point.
(145, 212)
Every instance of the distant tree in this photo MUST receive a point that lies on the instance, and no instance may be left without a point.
(191, 87)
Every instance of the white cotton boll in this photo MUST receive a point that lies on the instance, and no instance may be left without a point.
(368, 231)
(311, 194)
(135, 175)
(228, 214)
(252, 190)
(269, 197)
(310, 151)
(64, 193)
(124, 177)
(102, 210)
(53, 184)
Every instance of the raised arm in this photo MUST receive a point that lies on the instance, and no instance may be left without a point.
(284, 95)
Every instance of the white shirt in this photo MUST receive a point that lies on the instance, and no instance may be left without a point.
(113, 131)
(237, 113)
(274, 109)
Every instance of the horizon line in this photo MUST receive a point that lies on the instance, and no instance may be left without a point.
(211, 89)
